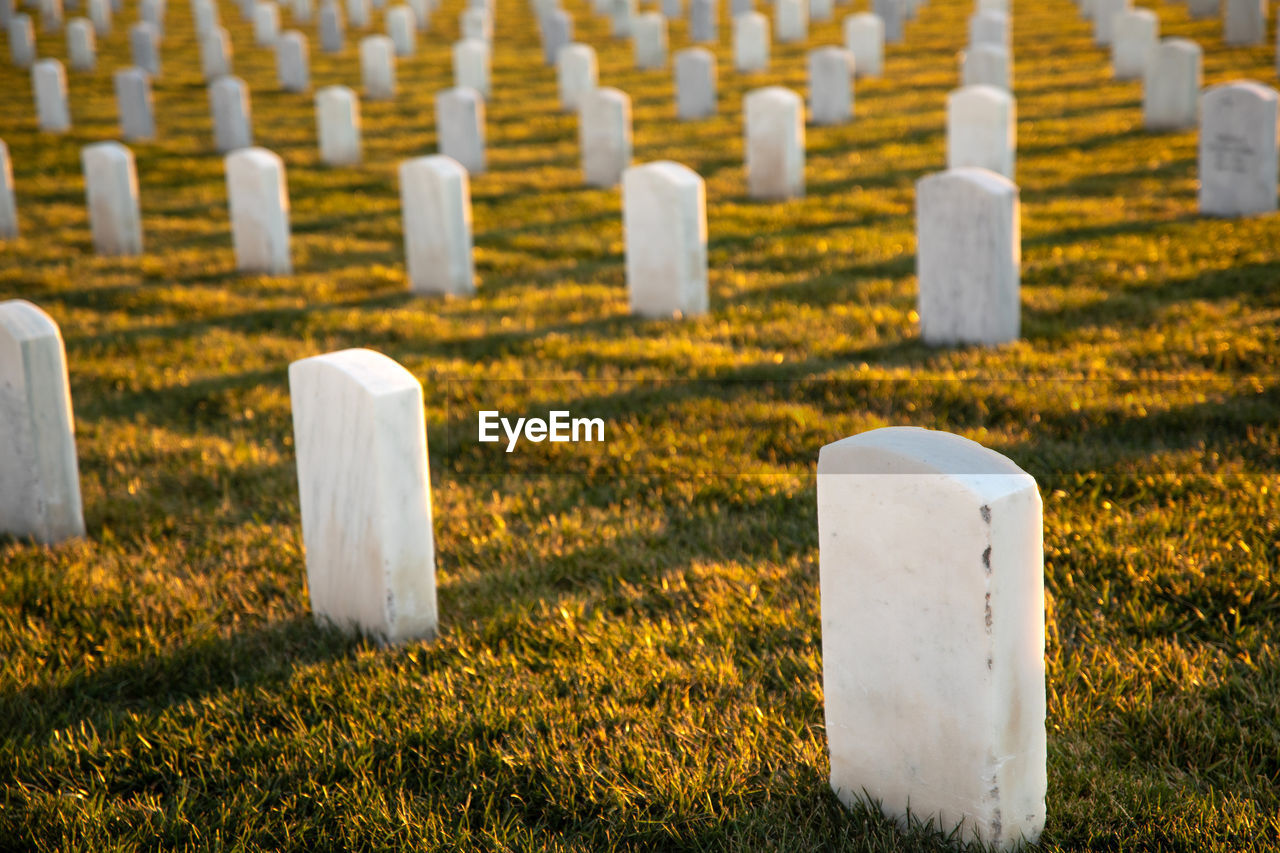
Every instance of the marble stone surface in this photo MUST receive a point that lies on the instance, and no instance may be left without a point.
(704, 21)
(986, 65)
(338, 126)
(82, 53)
(672, 9)
(332, 27)
(266, 23)
(378, 68)
(477, 24)
(215, 55)
(421, 14)
(51, 16)
(989, 27)
(695, 80)
(821, 11)
(981, 129)
(49, 82)
(205, 17)
(365, 494)
(435, 203)
(1238, 155)
(144, 47)
(604, 136)
(751, 42)
(111, 194)
(791, 21)
(892, 15)
(622, 14)
(99, 12)
(968, 254)
(134, 103)
(229, 105)
(1104, 18)
(402, 29)
(293, 61)
(358, 13)
(864, 38)
(1136, 32)
(1171, 86)
(774, 143)
(649, 41)
(740, 7)
(557, 32)
(471, 66)
(460, 127)
(8, 203)
(302, 11)
(1244, 22)
(22, 41)
(258, 197)
(664, 217)
(152, 12)
(831, 71)
(576, 74)
(931, 554)
(39, 475)
(1203, 8)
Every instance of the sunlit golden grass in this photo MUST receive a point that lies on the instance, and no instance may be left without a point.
(630, 649)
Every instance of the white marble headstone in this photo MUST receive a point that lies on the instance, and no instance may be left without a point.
(989, 27)
(1238, 155)
(1171, 86)
(332, 27)
(229, 105)
(1105, 12)
(338, 126)
(791, 21)
(576, 74)
(864, 38)
(892, 14)
(476, 24)
(931, 565)
(774, 143)
(986, 65)
(968, 254)
(831, 71)
(460, 127)
(378, 68)
(215, 55)
(100, 14)
(604, 136)
(649, 41)
(258, 197)
(751, 42)
(557, 32)
(293, 63)
(39, 474)
(1244, 22)
(266, 23)
(22, 41)
(435, 203)
(471, 66)
(133, 100)
(664, 216)
(402, 29)
(358, 13)
(704, 21)
(49, 82)
(82, 54)
(1136, 32)
(695, 84)
(111, 193)
(144, 47)
(365, 494)
(8, 203)
(981, 129)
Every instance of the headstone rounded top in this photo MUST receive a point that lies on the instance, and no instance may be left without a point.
(25, 320)
(372, 371)
(981, 91)
(986, 180)
(780, 94)
(47, 63)
(1260, 91)
(1144, 14)
(1179, 44)
(608, 93)
(336, 91)
(699, 52)
(104, 147)
(439, 163)
(256, 155)
(465, 93)
(668, 170)
(913, 450)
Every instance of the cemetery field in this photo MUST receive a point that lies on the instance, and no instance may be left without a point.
(629, 650)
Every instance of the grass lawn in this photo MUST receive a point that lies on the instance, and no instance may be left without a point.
(630, 646)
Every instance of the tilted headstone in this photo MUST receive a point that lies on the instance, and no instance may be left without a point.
(229, 106)
(378, 68)
(774, 123)
(664, 217)
(1171, 86)
(471, 66)
(8, 204)
(258, 198)
(144, 47)
(864, 38)
(266, 23)
(1105, 12)
(989, 27)
(402, 29)
(338, 126)
(293, 62)
(50, 15)
(22, 41)
(49, 82)
(152, 12)
(920, 527)
(204, 14)
(986, 65)
(604, 136)
(40, 496)
(704, 21)
(111, 191)
(751, 42)
(100, 14)
(791, 23)
(981, 129)
(360, 439)
(557, 31)
(332, 29)
(1136, 32)
(435, 203)
(621, 17)
(134, 103)
(82, 54)
(831, 72)
(358, 13)
(891, 14)
(460, 127)
(215, 55)
(1244, 22)
(576, 74)
(695, 84)
(477, 24)
(649, 41)
(968, 253)
(1238, 154)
